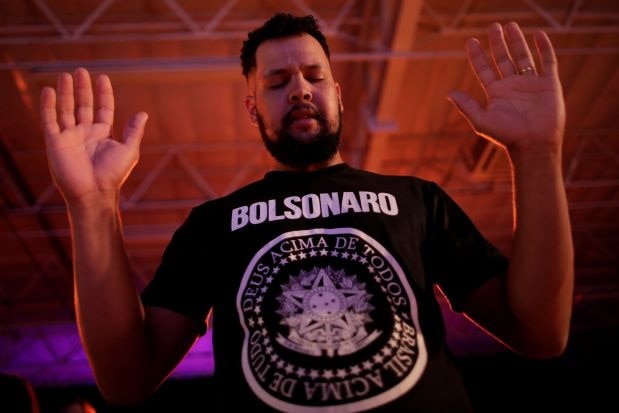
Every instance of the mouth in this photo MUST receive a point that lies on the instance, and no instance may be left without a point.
(302, 116)
(302, 111)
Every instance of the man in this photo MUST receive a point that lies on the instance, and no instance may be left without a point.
(328, 303)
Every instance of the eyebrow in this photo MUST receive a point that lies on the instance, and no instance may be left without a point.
(275, 72)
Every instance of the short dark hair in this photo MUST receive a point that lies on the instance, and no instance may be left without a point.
(279, 26)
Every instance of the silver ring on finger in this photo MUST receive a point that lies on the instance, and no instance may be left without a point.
(526, 69)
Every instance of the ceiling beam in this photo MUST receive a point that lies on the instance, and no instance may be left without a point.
(402, 40)
(568, 20)
(227, 64)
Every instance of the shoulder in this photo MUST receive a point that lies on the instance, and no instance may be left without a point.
(383, 178)
(416, 185)
(223, 203)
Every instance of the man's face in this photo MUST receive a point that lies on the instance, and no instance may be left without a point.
(295, 101)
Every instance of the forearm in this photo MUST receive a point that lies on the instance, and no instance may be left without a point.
(109, 313)
(541, 274)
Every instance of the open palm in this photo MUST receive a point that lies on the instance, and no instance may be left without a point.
(83, 157)
(525, 105)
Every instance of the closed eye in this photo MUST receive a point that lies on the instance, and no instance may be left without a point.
(276, 81)
(277, 85)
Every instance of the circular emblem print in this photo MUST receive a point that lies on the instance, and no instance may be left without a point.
(330, 320)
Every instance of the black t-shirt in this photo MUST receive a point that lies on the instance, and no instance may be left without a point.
(321, 285)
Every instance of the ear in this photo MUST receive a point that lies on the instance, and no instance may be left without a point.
(250, 106)
(338, 90)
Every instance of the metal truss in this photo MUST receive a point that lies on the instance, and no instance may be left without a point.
(183, 27)
(133, 201)
(344, 24)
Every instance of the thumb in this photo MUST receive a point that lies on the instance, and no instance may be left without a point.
(134, 129)
(468, 107)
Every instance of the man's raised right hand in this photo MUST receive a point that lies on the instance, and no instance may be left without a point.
(84, 158)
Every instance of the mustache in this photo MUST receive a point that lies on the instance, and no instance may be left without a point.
(309, 109)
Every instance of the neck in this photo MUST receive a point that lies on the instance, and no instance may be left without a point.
(336, 159)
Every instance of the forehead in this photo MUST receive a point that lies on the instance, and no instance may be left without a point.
(302, 50)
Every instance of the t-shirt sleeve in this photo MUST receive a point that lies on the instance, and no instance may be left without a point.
(180, 281)
(456, 254)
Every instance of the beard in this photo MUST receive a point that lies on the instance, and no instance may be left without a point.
(301, 153)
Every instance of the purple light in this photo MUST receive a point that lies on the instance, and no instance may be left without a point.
(52, 355)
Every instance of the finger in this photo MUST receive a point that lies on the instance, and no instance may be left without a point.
(49, 122)
(468, 107)
(500, 52)
(83, 94)
(546, 53)
(134, 129)
(479, 62)
(519, 49)
(105, 101)
(65, 102)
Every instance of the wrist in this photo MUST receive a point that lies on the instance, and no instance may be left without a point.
(93, 204)
(527, 156)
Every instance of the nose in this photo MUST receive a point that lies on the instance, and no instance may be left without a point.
(299, 91)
